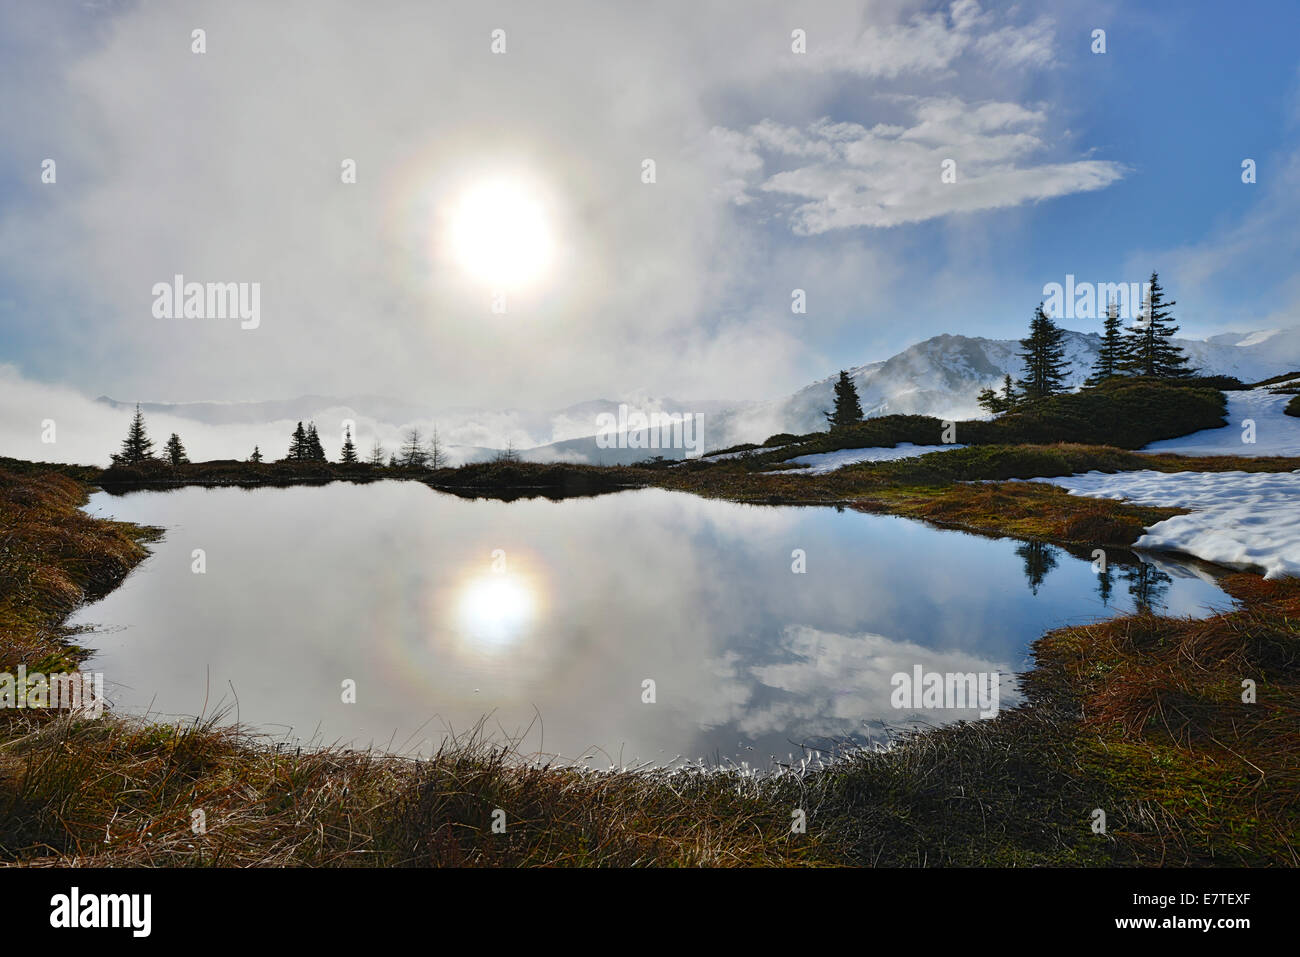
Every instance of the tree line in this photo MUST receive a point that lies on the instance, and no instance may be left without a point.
(1144, 349)
(304, 446)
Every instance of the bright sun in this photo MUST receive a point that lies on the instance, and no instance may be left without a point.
(500, 234)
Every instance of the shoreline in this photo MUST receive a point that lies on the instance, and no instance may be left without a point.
(1031, 774)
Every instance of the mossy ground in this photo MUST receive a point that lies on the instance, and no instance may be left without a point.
(1140, 716)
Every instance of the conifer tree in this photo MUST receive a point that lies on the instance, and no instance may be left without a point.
(349, 450)
(174, 451)
(1044, 358)
(434, 457)
(137, 446)
(848, 408)
(999, 402)
(1111, 353)
(1148, 344)
(413, 451)
(298, 444)
(508, 454)
(376, 454)
(256, 456)
(314, 451)
(392, 461)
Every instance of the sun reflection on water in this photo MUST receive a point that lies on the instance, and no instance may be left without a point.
(496, 610)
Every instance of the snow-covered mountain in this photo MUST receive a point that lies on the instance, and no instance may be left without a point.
(940, 376)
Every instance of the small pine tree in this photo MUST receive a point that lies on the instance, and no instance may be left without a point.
(848, 409)
(376, 454)
(413, 451)
(1009, 397)
(392, 461)
(174, 451)
(1148, 344)
(314, 452)
(298, 444)
(508, 454)
(434, 457)
(999, 402)
(1044, 358)
(256, 456)
(1111, 353)
(137, 446)
(349, 450)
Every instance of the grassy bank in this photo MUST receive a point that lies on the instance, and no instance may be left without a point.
(938, 488)
(53, 556)
(1140, 716)
(1126, 413)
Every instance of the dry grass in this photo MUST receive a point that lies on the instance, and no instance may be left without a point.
(116, 792)
(1210, 778)
(1140, 716)
(52, 557)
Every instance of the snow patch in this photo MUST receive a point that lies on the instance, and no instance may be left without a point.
(824, 462)
(1240, 519)
(1276, 433)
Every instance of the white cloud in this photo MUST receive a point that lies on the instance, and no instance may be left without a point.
(225, 167)
(890, 174)
(930, 43)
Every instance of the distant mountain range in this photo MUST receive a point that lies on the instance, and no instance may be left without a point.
(940, 376)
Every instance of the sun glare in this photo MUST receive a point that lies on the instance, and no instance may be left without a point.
(495, 609)
(500, 234)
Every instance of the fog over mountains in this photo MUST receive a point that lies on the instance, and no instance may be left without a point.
(940, 376)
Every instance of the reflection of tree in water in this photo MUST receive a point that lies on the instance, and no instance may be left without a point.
(1040, 558)
(1105, 582)
(1147, 586)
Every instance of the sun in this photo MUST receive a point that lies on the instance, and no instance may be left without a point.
(500, 233)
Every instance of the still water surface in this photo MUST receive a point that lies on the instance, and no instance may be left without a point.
(549, 617)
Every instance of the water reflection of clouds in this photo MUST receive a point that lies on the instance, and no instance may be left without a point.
(833, 684)
(371, 583)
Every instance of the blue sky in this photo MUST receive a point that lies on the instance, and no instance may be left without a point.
(775, 171)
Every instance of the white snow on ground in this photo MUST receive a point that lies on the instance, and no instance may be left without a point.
(723, 456)
(824, 462)
(1276, 433)
(1241, 519)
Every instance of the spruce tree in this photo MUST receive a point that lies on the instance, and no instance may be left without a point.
(298, 444)
(349, 450)
(1044, 358)
(999, 402)
(1111, 353)
(1148, 345)
(137, 446)
(314, 451)
(256, 456)
(174, 451)
(848, 409)
(376, 454)
(392, 461)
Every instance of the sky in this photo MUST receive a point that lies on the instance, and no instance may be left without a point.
(774, 171)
